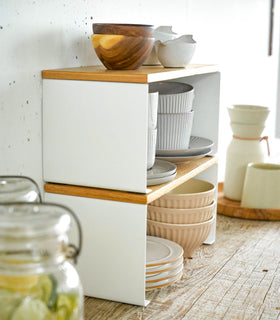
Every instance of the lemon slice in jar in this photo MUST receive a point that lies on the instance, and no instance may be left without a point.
(20, 284)
(32, 310)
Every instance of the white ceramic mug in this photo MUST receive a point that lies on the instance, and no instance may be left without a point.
(261, 186)
(151, 152)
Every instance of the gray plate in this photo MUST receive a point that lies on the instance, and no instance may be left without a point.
(160, 169)
(197, 144)
(156, 181)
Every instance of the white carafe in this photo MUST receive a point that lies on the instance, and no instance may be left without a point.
(240, 152)
(247, 145)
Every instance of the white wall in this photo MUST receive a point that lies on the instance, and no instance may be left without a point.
(41, 34)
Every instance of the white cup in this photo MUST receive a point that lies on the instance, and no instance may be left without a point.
(152, 110)
(261, 186)
(151, 152)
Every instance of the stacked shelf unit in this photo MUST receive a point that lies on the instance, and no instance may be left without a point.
(95, 157)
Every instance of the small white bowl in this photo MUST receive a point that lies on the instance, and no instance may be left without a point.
(152, 110)
(189, 236)
(248, 114)
(261, 186)
(174, 130)
(174, 97)
(181, 216)
(176, 53)
(247, 130)
(194, 193)
(151, 152)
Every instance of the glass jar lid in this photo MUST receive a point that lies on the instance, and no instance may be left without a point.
(18, 188)
(23, 220)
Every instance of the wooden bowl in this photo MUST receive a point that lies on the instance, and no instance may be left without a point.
(133, 30)
(119, 52)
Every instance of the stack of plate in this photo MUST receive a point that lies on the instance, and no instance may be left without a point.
(198, 148)
(164, 262)
(161, 172)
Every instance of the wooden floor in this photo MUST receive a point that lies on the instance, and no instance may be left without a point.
(236, 278)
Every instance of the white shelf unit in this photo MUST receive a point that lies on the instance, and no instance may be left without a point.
(94, 161)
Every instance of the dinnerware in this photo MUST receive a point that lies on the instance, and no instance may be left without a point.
(119, 52)
(165, 275)
(196, 145)
(134, 30)
(178, 159)
(261, 186)
(181, 216)
(152, 110)
(161, 251)
(174, 130)
(248, 114)
(152, 140)
(177, 52)
(193, 193)
(174, 97)
(247, 130)
(156, 181)
(162, 33)
(160, 169)
(189, 236)
(164, 283)
(150, 271)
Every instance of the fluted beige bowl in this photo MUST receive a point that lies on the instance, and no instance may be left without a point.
(188, 236)
(194, 193)
(181, 216)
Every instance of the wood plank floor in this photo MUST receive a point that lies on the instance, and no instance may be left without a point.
(238, 277)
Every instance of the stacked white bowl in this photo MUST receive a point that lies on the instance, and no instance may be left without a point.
(185, 215)
(152, 128)
(175, 115)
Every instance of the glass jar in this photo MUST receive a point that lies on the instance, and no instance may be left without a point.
(19, 188)
(36, 280)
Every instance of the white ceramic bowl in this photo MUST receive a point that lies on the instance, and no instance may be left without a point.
(248, 114)
(174, 130)
(174, 97)
(181, 216)
(247, 130)
(152, 110)
(261, 186)
(189, 236)
(151, 152)
(177, 52)
(194, 193)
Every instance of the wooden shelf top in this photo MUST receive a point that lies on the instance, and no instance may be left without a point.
(145, 74)
(185, 171)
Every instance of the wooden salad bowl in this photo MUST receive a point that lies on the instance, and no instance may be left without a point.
(133, 30)
(119, 52)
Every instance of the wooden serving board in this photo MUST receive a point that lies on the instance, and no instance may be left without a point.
(232, 208)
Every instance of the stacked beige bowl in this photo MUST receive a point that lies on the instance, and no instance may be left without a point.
(185, 215)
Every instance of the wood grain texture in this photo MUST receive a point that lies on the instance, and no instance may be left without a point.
(144, 74)
(134, 30)
(236, 278)
(232, 208)
(185, 171)
(119, 52)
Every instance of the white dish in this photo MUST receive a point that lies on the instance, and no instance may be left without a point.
(177, 159)
(150, 271)
(161, 251)
(156, 181)
(151, 152)
(161, 168)
(197, 144)
(164, 275)
(163, 283)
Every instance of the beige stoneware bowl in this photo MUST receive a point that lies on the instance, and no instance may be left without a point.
(194, 193)
(188, 236)
(181, 216)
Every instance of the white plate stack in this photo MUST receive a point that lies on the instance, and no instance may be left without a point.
(164, 262)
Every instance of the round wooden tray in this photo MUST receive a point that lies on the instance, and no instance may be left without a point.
(232, 208)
